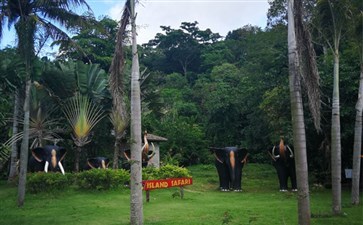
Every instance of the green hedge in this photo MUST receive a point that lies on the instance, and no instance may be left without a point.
(47, 182)
(98, 179)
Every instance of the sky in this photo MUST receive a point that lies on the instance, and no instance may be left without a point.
(221, 16)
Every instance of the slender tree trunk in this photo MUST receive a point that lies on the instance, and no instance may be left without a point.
(357, 150)
(116, 153)
(136, 205)
(24, 146)
(77, 156)
(14, 147)
(298, 124)
(335, 141)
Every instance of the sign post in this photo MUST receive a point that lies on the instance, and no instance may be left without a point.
(166, 183)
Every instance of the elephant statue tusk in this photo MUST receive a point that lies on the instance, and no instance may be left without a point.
(244, 160)
(145, 148)
(273, 153)
(46, 166)
(61, 168)
(103, 164)
(291, 153)
(127, 158)
(153, 152)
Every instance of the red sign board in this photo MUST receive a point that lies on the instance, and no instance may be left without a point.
(166, 183)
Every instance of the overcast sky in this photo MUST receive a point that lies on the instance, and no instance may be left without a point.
(220, 16)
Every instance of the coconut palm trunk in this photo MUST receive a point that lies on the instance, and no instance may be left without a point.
(296, 68)
(14, 149)
(357, 150)
(24, 145)
(335, 141)
(136, 206)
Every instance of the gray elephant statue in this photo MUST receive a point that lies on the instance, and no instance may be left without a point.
(229, 162)
(283, 161)
(47, 158)
(97, 163)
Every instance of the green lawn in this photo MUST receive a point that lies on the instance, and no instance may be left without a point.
(259, 203)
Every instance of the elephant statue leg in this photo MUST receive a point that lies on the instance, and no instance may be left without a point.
(282, 175)
(223, 176)
(292, 175)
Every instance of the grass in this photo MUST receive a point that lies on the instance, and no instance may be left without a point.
(260, 203)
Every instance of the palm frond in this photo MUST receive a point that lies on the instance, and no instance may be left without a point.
(310, 74)
(119, 123)
(82, 115)
(118, 61)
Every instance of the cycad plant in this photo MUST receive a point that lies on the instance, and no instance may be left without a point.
(82, 115)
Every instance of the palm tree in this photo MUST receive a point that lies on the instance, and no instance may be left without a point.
(302, 69)
(358, 34)
(30, 18)
(136, 206)
(11, 71)
(333, 16)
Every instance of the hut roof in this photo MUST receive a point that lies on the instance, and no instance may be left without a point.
(154, 138)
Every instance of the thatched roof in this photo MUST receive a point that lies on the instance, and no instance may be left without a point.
(154, 138)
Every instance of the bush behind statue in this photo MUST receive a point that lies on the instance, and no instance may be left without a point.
(48, 182)
(98, 179)
(167, 171)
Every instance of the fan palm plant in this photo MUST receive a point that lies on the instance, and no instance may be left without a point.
(82, 115)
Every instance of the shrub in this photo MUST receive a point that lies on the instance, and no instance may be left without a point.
(100, 179)
(48, 182)
(150, 173)
(167, 171)
(170, 171)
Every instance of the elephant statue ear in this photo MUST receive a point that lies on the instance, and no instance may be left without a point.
(126, 154)
(242, 153)
(107, 162)
(218, 153)
(38, 153)
(62, 153)
(92, 162)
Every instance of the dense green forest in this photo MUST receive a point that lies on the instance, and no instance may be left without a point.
(199, 89)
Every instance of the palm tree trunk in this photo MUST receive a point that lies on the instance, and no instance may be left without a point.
(77, 156)
(14, 149)
(357, 142)
(116, 153)
(24, 146)
(136, 206)
(298, 124)
(335, 141)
